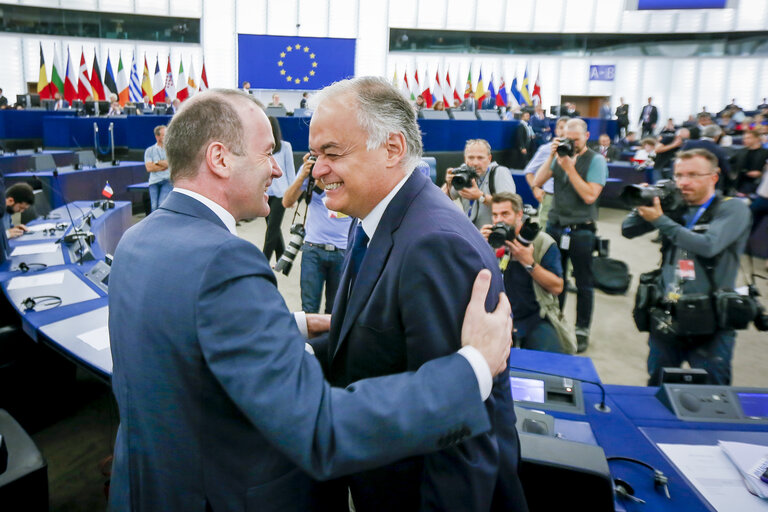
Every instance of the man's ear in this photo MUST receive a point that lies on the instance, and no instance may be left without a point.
(218, 159)
(396, 148)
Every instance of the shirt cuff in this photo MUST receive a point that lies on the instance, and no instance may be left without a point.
(301, 323)
(481, 369)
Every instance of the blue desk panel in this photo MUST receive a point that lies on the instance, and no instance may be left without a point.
(25, 124)
(85, 184)
(21, 163)
(131, 131)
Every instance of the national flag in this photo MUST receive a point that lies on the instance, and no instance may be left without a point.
(492, 90)
(446, 91)
(159, 84)
(146, 82)
(437, 90)
(170, 89)
(70, 81)
(524, 89)
(450, 86)
(110, 86)
(97, 88)
(191, 80)
(57, 83)
(395, 84)
(182, 92)
(417, 85)
(43, 89)
(426, 93)
(480, 90)
(203, 79)
(516, 95)
(83, 81)
(107, 191)
(123, 92)
(501, 96)
(468, 87)
(134, 87)
(536, 96)
(408, 92)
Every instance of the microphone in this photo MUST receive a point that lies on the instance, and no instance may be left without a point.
(77, 234)
(600, 407)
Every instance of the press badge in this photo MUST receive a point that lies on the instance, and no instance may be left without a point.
(686, 270)
(565, 242)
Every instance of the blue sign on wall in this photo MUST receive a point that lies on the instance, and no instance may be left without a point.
(605, 73)
(681, 4)
(285, 62)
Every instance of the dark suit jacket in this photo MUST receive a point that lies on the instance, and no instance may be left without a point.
(622, 114)
(540, 125)
(520, 141)
(221, 408)
(613, 152)
(406, 308)
(653, 117)
(744, 183)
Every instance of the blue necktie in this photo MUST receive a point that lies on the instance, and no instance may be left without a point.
(359, 246)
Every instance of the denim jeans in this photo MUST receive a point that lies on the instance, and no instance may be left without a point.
(541, 336)
(713, 354)
(580, 253)
(319, 267)
(158, 192)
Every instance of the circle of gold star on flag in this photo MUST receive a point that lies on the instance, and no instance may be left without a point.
(297, 64)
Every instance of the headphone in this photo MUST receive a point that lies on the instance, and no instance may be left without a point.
(626, 491)
(51, 301)
(25, 267)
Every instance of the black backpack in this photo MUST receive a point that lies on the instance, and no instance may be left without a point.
(611, 276)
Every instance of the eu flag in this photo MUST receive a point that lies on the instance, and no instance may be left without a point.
(286, 62)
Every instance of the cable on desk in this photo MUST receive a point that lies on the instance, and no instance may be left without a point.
(659, 478)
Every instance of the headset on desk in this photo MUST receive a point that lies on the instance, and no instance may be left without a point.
(31, 303)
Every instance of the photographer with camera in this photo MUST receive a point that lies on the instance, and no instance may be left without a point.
(682, 303)
(535, 278)
(477, 180)
(324, 244)
(580, 175)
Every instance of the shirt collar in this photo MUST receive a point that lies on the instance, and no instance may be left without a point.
(371, 221)
(221, 213)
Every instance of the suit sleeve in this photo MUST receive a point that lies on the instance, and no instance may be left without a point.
(434, 291)
(252, 346)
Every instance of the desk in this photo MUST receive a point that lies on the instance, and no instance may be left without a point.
(85, 184)
(25, 124)
(84, 305)
(132, 131)
(21, 163)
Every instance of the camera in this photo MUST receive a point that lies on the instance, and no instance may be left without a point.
(295, 242)
(501, 233)
(642, 195)
(761, 318)
(565, 147)
(463, 176)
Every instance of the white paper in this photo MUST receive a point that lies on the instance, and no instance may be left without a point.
(24, 250)
(708, 469)
(41, 227)
(48, 279)
(751, 461)
(97, 338)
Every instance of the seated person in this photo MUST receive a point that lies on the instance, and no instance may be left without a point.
(608, 150)
(114, 109)
(646, 152)
(439, 105)
(533, 278)
(18, 198)
(629, 142)
(748, 164)
(276, 101)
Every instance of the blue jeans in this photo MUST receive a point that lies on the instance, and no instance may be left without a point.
(319, 267)
(713, 354)
(540, 336)
(158, 192)
(580, 253)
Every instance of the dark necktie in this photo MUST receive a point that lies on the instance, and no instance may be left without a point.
(359, 246)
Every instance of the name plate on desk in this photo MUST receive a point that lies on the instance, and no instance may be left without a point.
(716, 404)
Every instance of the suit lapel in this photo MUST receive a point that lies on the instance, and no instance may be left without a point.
(375, 259)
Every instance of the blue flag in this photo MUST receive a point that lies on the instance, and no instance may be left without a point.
(516, 92)
(286, 62)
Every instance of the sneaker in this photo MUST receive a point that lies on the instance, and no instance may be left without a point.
(582, 343)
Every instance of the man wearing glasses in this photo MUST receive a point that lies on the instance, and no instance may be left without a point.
(700, 255)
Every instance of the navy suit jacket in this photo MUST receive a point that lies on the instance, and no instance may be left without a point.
(406, 308)
(722, 157)
(221, 408)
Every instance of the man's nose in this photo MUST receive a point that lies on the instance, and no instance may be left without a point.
(276, 171)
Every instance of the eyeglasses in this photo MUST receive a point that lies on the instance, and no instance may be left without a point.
(680, 177)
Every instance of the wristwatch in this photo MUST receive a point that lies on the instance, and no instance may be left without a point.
(482, 199)
(529, 268)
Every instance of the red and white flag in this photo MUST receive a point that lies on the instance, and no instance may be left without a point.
(70, 82)
(107, 192)
(203, 79)
(170, 89)
(83, 82)
(450, 86)
(158, 85)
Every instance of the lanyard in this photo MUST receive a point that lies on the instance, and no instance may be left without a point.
(472, 201)
(700, 212)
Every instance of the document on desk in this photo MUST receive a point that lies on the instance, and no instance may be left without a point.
(25, 250)
(97, 338)
(41, 227)
(751, 460)
(51, 278)
(710, 471)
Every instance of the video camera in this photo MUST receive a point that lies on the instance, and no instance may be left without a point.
(463, 176)
(501, 233)
(672, 200)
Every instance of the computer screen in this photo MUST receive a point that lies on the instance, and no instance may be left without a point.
(754, 404)
(527, 390)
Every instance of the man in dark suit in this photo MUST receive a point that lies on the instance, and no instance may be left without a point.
(3, 100)
(748, 164)
(221, 407)
(622, 117)
(649, 116)
(604, 147)
(487, 103)
(409, 269)
(61, 103)
(522, 142)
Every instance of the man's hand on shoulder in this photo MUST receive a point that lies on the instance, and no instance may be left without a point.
(489, 333)
(318, 324)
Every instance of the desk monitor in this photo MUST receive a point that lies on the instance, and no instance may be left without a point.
(34, 100)
(22, 99)
(85, 158)
(49, 104)
(43, 162)
(462, 115)
(129, 110)
(161, 109)
(754, 405)
(276, 111)
(77, 104)
(433, 114)
(488, 115)
(548, 392)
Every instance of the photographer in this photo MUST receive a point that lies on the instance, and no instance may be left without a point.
(700, 255)
(325, 242)
(580, 176)
(534, 280)
(477, 180)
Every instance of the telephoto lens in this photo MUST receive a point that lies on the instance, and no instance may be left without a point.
(528, 231)
(295, 242)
